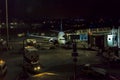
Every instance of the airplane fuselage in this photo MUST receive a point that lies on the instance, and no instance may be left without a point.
(61, 38)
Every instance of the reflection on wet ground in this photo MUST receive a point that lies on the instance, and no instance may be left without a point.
(57, 63)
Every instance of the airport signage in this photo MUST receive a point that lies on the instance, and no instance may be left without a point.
(83, 37)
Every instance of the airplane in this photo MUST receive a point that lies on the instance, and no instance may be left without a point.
(61, 39)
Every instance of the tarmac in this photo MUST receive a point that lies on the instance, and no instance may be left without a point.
(58, 64)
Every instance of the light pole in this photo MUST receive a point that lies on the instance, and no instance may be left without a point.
(74, 55)
(7, 28)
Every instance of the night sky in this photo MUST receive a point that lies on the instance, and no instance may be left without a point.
(35, 9)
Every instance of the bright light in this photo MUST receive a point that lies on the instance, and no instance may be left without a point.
(31, 40)
(112, 40)
(1, 39)
(37, 68)
(3, 23)
(1, 61)
(44, 74)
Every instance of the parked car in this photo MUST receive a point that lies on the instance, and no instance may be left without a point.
(3, 68)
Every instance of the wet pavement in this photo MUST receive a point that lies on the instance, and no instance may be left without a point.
(57, 64)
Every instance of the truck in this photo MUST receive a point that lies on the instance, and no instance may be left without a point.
(31, 61)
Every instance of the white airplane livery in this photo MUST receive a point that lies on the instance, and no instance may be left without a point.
(60, 39)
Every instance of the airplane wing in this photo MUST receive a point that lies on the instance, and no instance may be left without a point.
(46, 37)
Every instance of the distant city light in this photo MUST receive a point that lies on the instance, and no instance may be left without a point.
(11, 23)
(3, 23)
(44, 22)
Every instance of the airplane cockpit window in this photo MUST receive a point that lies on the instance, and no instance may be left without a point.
(65, 36)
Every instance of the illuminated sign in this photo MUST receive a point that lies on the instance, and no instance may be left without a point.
(83, 37)
(112, 40)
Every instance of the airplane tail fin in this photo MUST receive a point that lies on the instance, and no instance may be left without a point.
(27, 34)
(61, 28)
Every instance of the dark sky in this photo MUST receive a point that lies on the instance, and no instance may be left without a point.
(34, 9)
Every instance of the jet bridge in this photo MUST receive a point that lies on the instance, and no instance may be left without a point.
(113, 38)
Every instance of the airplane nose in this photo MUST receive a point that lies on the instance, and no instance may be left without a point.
(63, 42)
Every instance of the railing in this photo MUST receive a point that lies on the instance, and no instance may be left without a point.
(98, 30)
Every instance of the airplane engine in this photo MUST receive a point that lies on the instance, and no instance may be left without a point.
(54, 41)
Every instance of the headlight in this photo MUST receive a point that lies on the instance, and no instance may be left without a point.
(37, 68)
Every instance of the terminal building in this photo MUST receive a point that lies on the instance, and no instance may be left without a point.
(97, 37)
